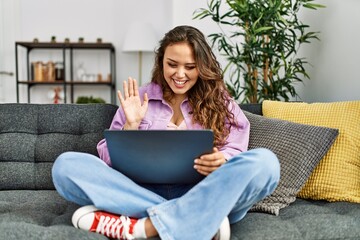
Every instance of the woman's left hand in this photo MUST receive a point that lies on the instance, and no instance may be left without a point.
(208, 163)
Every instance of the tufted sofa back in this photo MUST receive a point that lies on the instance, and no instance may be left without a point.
(255, 108)
(33, 135)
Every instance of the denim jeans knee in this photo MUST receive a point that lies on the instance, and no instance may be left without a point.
(267, 165)
(61, 166)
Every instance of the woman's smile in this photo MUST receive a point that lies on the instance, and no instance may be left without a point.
(179, 83)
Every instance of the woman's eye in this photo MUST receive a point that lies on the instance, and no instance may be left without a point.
(171, 65)
(190, 67)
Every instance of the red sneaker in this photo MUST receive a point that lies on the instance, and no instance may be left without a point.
(113, 226)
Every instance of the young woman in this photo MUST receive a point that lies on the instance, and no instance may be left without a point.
(187, 91)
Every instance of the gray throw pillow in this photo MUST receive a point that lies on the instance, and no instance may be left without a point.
(299, 149)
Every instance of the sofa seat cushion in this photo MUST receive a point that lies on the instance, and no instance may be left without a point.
(42, 214)
(303, 219)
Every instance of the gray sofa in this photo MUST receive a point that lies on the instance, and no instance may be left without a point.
(33, 135)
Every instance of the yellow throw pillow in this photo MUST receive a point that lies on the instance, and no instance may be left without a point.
(337, 176)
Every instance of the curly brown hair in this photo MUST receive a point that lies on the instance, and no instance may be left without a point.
(208, 98)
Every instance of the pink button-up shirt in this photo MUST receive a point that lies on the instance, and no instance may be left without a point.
(159, 114)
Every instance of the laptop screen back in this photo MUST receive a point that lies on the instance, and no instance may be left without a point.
(158, 156)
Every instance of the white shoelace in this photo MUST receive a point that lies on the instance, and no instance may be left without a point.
(115, 228)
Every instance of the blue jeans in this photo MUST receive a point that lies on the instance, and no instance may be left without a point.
(176, 211)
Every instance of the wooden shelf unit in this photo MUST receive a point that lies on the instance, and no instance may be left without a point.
(67, 53)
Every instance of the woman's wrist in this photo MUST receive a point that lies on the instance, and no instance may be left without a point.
(131, 126)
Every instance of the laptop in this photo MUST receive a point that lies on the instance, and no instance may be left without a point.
(158, 156)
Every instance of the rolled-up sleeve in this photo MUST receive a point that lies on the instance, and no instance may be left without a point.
(117, 123)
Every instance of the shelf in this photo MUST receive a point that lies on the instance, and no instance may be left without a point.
(62, 82)
(39, 82)
(85, 45)
(85, 83)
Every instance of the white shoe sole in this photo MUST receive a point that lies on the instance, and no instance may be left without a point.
(78, 214)
(225, 230)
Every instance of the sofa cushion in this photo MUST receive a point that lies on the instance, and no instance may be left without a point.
(33, 135)
(302, 220)
(299, 149)
(43, 215)
(337, 177)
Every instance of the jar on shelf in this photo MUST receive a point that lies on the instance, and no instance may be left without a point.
(38, 71)
(50, 71)
(59, 71)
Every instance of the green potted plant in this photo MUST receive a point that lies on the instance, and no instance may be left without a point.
(91, 99)
(262, 45)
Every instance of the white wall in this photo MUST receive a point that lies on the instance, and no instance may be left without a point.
(334, 74)
(9, 18)
(334, 59)
(108, 19)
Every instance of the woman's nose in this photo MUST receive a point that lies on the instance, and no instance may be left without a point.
(180, 73)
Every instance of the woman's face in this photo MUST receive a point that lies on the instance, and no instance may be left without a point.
(180, 69)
